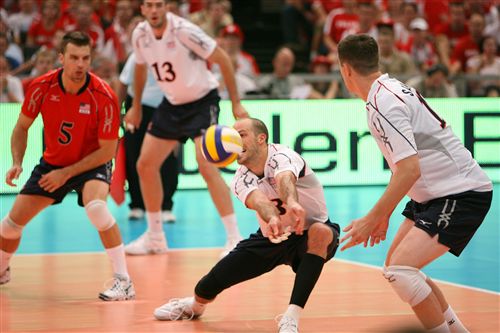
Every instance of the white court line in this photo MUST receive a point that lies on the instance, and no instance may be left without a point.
(219, 248)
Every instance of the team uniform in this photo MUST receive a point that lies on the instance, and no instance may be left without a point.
(73, 126)
(453, 194)
(178, 62)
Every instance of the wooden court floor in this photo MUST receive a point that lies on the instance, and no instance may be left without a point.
(58, 293)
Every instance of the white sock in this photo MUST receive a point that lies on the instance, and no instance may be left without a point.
(293, 311)
(453, 322)
(155, 223)
(117, 257)
(198, 308)
(443, 328)
(231, 226)
(4, 260)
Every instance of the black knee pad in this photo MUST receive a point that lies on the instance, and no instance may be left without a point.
(208, 287)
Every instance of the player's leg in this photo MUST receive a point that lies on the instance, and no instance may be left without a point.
(415, 251)
(322, 242)
(170, 179)
(154, 151)
(11, 227)
(219, 191)
(251, 258)
(94, 195)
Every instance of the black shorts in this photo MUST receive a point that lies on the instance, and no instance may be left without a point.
(102, 172)
(289, 252)
(455, 218)
(185, 121)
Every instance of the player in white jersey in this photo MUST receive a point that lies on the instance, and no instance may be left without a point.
(177, 51)
(450, 194)
(294, 229)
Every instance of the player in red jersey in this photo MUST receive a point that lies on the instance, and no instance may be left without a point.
(81, 120)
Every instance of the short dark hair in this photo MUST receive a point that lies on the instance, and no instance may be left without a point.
(77, 38)
(259, 127)
(359, 51)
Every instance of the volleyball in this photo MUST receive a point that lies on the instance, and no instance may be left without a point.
(221, 145)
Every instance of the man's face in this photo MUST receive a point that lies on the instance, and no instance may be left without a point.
(75, 62)
(124, 11)
(154, 11)
(232, 43)
(44, 64)
(283, 64)
(249, 139)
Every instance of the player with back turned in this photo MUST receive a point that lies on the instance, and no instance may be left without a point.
(450, 193)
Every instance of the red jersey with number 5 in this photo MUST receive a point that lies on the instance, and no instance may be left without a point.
(73, 123)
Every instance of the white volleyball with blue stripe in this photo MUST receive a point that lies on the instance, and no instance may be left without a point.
(221, 145)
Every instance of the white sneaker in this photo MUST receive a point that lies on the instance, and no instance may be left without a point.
(136, 214)
(167, 216)
(148, 243)
(287, 324)
(5, 277)
(177, 309)
(121, 289)
(230, 245)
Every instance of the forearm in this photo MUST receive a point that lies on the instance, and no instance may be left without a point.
(287, 190)
(227, 71)
(267, 210)
(18, 145)
(91, 161)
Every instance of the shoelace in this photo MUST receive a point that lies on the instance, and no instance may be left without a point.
(286, 324)
(177, 309)
(114, 285)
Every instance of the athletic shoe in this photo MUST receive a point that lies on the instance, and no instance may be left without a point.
(177, 309)
(148, 243)
(167, 216)
(230, 245)
(121, 289)
(136, 214)
(5, 277)
(287, 324)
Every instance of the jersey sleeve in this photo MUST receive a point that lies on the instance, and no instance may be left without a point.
(195, 39)
(109, 117)
(137, 35)
(286, 160)
(33, 100)
(243, 183)
(393, 128)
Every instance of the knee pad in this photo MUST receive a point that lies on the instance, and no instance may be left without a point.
(208, 287)
(99, 215)
(9, 229)
(408, 282)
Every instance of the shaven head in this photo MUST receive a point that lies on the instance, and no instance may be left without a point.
(360, 52)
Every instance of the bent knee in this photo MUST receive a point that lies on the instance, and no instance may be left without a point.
(408, 282)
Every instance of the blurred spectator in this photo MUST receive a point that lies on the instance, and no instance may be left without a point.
(70, 12)
(419, 48)
(231, 41)
(11, 89)
(435, 83)
(10, 51)
(368, 14)
(395, 63)
(337, 22)
(45, 61)
(486, 63)
(492, 91)
(281, 84)
(448, 34)
(43, 28)
(107, 70)
(467, 46)
(84, 23)
(173, 6)
(321, 65)
(117, 42)
(105, 11)
(20, 22)
(215, 16)
(297, 24)
(490, 11)
(244, 83)
(402, 27)
(435, 12)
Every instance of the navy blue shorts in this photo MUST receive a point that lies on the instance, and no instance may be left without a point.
(102, 172)
(185, 121)
(289, 252)
(455, 218)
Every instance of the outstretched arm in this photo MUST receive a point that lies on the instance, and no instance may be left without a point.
(288, 194)
(18, 143)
